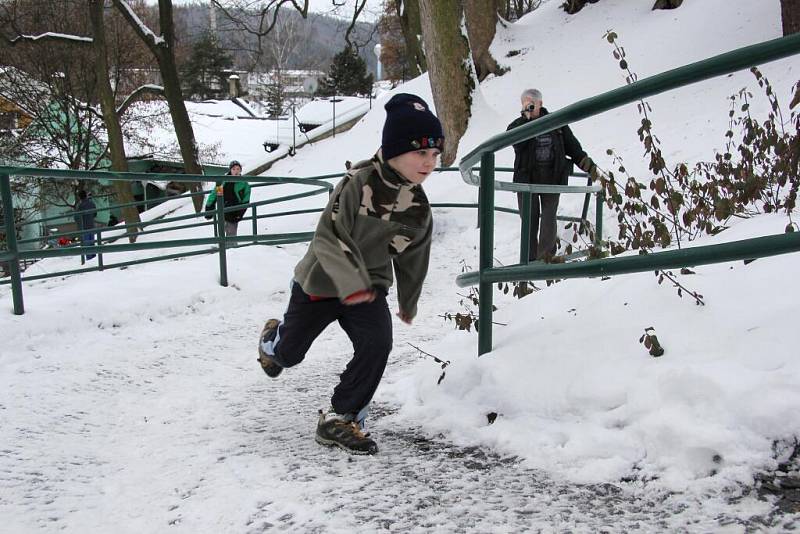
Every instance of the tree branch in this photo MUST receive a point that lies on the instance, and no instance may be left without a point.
(264, 12)
(152, 40)
(137, 94)
(50, 36)
(359, 7)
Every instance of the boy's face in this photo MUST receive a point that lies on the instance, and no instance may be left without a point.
(417, 165)
(236, 170)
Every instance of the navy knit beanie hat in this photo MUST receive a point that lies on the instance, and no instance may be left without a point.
(409, 125)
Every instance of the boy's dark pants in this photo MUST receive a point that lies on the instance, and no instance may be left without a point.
(369, 327)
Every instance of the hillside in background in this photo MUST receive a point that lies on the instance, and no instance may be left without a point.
(319, 37)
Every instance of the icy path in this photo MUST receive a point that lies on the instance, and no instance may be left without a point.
(145, 432)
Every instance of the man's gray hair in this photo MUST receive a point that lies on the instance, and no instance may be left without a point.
(535, 94)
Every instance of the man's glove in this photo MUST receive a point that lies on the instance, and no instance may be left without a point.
(588, 166)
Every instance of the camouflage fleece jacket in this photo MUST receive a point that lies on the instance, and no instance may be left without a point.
(374, 218)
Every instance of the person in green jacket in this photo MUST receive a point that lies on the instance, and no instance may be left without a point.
(234, 193)
(376, 227)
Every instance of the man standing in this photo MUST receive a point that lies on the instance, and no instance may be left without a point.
(545, 159)
(85, 219)
(234, 194)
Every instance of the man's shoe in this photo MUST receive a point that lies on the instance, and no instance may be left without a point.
(268, 334)
(341, 431)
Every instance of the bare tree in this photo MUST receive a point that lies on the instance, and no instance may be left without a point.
(72, 50)
(257, 19)
(481, 22)
(162, 47)
(116, 142)
(514, 9)
(407, 12)
(790, 16)
(450, 68)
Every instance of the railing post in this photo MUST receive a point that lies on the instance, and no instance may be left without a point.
(82, 241)
(598, 223)
(11, 244)
(255, 225)
(525, 227)
(98, 243)
(223, 260)
(486, 253)
(585, 210)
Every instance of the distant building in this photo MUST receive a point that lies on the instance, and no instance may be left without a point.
(296, 84)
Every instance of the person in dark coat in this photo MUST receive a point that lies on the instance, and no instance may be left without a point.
(86, 220)
(545, 159)
(234, 193)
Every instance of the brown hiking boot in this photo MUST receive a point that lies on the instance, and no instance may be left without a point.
(268, 334)
(340, 431)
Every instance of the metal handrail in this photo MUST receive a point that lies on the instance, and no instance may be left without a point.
(13, 256)
(719, 65)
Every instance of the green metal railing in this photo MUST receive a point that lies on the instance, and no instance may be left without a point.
(13, 256)
(484, 154)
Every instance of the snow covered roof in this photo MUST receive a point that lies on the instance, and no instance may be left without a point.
(321, 110)
(228, 109)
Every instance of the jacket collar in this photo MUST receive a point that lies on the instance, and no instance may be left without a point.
(388, 175)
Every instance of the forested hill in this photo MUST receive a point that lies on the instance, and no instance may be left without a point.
(318, 37)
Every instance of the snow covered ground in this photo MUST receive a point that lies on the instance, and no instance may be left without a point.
(130, 400)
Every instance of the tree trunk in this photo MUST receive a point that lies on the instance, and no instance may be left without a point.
(790, 16)
(163, 51)
(450, 69)
(116, 143)
(412, 29)
(481, 22)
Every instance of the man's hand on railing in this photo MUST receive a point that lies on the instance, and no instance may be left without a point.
(588, 165)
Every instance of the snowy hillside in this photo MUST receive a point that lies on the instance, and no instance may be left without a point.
(130, 399)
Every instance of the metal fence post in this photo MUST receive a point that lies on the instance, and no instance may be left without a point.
(99, 243)
(486, 214)
(11, 244)
(598, 224)
(223, 260)
(525, 227)
(255, 225)
(585, 210)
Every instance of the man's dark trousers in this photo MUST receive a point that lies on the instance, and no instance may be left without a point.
(369, 327)
(543, 236)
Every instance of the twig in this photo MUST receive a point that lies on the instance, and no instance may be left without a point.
(437, 360)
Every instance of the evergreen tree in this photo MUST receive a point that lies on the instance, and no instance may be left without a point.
(275, 100)
(346, 76)
(204, 74)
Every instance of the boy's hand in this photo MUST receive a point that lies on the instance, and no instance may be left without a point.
(359, 297)
(404, 317)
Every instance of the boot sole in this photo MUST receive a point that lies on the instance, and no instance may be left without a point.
(332, 443)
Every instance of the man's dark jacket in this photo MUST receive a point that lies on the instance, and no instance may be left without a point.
(86, 220)
(234, 193)
(567, 150)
